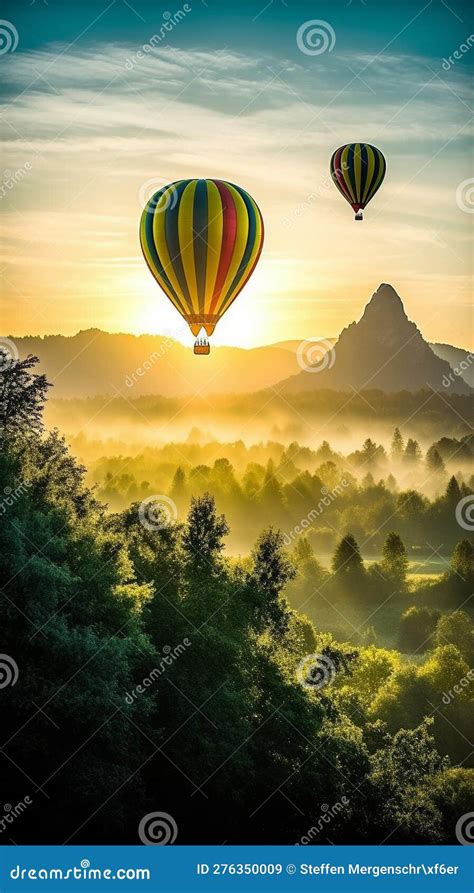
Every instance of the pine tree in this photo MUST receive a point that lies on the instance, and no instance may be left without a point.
(398, 445)
(433, 459)
(412, 451)
(178, 487)
(395, 562)
(453, 492)
(347, 558)
(204, 532)
(272, 570)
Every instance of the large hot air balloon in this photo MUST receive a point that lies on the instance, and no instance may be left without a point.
(358, 170)
(201, 240)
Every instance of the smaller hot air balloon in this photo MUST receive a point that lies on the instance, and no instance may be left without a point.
(358, 170)
(201, 240)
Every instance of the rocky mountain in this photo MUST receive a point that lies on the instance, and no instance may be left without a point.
(383, 350)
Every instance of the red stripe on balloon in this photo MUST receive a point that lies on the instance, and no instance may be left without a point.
(229, 233)
(339, 175)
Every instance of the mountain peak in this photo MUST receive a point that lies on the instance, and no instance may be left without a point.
(386, 301)
(383, 350)
(386, 292)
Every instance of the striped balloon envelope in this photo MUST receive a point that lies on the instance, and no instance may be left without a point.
(358, 170)
(201, 240)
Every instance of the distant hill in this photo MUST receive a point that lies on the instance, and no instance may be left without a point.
(293, 346)
(384, 350)
(460, 360)
(95, 362)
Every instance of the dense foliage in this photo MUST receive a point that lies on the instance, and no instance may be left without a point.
(369, 491)
(156, 674)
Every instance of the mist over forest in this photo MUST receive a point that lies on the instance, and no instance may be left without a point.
(296, 561)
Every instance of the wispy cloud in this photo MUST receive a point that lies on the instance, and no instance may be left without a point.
(98, 123)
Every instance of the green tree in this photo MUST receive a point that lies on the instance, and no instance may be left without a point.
(398, 445)
(434, 460)
(178, 487)
(457, 628)
(271, 572)
(462, 561)
(453, 492)
(453, 795)
(204, 532)
(347, 559)
(417, 627)
(412, 451)
(22, 396)
(402, 774)
(394, 563)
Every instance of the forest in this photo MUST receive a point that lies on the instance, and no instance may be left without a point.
(147, 666)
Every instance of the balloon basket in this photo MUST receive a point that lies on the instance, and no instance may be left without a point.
(359, 216)
(201, 347)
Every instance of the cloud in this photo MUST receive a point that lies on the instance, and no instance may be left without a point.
(95, 131)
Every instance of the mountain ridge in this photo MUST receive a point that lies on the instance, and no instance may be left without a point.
(94, 362)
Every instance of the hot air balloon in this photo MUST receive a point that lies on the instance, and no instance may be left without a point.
(201, 240)
(358, 170)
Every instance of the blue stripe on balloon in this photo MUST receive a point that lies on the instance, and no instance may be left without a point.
(172, 241)
(200, 224)
(150, 243)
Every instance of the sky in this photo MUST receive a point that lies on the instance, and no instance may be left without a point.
(92, 125)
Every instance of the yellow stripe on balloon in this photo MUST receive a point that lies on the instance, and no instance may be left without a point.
(345, 172)
(215, 222)
(159, 236)
(240, 243)
(251, 260)
(149, 259)
(358, 170)
(186, 242)
(375, 186)
(370, 171)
